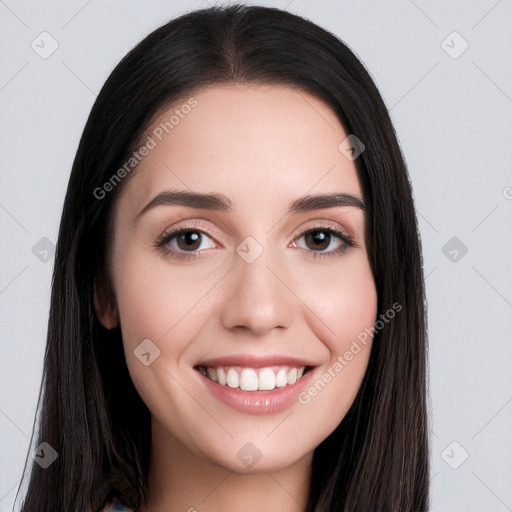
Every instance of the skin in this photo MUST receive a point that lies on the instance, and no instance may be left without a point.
(262, 147)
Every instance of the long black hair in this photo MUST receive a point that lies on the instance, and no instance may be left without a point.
(89, 411)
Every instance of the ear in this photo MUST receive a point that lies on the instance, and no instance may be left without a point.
(104, 303)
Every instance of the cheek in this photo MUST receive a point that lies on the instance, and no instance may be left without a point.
(142, 301)
(166, 306)
(153, 299)
(357, 300)
(159, 312)
(345, 304)
(344, 300)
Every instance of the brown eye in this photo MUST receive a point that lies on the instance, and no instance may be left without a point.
(324, 242)
(317, 240)
(189, 240)
(186, 241)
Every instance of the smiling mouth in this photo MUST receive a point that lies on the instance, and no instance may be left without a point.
(254, 379)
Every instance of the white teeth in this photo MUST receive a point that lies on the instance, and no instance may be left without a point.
(267, 379)
(221, 376)
(232, 379)
(281, 379)
(291, 378)
(250, 379)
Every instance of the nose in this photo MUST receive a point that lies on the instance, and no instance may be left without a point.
(258, 298)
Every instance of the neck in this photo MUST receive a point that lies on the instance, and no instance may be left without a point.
(181, 480)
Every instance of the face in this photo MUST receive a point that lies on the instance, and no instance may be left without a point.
(240, 313)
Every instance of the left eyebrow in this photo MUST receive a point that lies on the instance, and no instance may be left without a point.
(219, 202)
(317, 202)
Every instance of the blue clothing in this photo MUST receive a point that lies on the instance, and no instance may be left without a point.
(115, 506)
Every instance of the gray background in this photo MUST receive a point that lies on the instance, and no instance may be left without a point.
(452, 112)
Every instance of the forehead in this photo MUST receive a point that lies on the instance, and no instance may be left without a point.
(269, 142)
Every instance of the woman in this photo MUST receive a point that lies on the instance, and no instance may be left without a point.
(237, 315)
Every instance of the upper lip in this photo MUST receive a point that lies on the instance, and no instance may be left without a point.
(256, 361)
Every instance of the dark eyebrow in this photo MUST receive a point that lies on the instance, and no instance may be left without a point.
(317, 202)
(219, 202)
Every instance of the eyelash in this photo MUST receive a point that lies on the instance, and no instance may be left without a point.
(166, 237)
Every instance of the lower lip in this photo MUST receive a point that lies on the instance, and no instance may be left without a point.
(258, 402)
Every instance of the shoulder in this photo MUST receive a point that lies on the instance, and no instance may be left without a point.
(115, 506)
